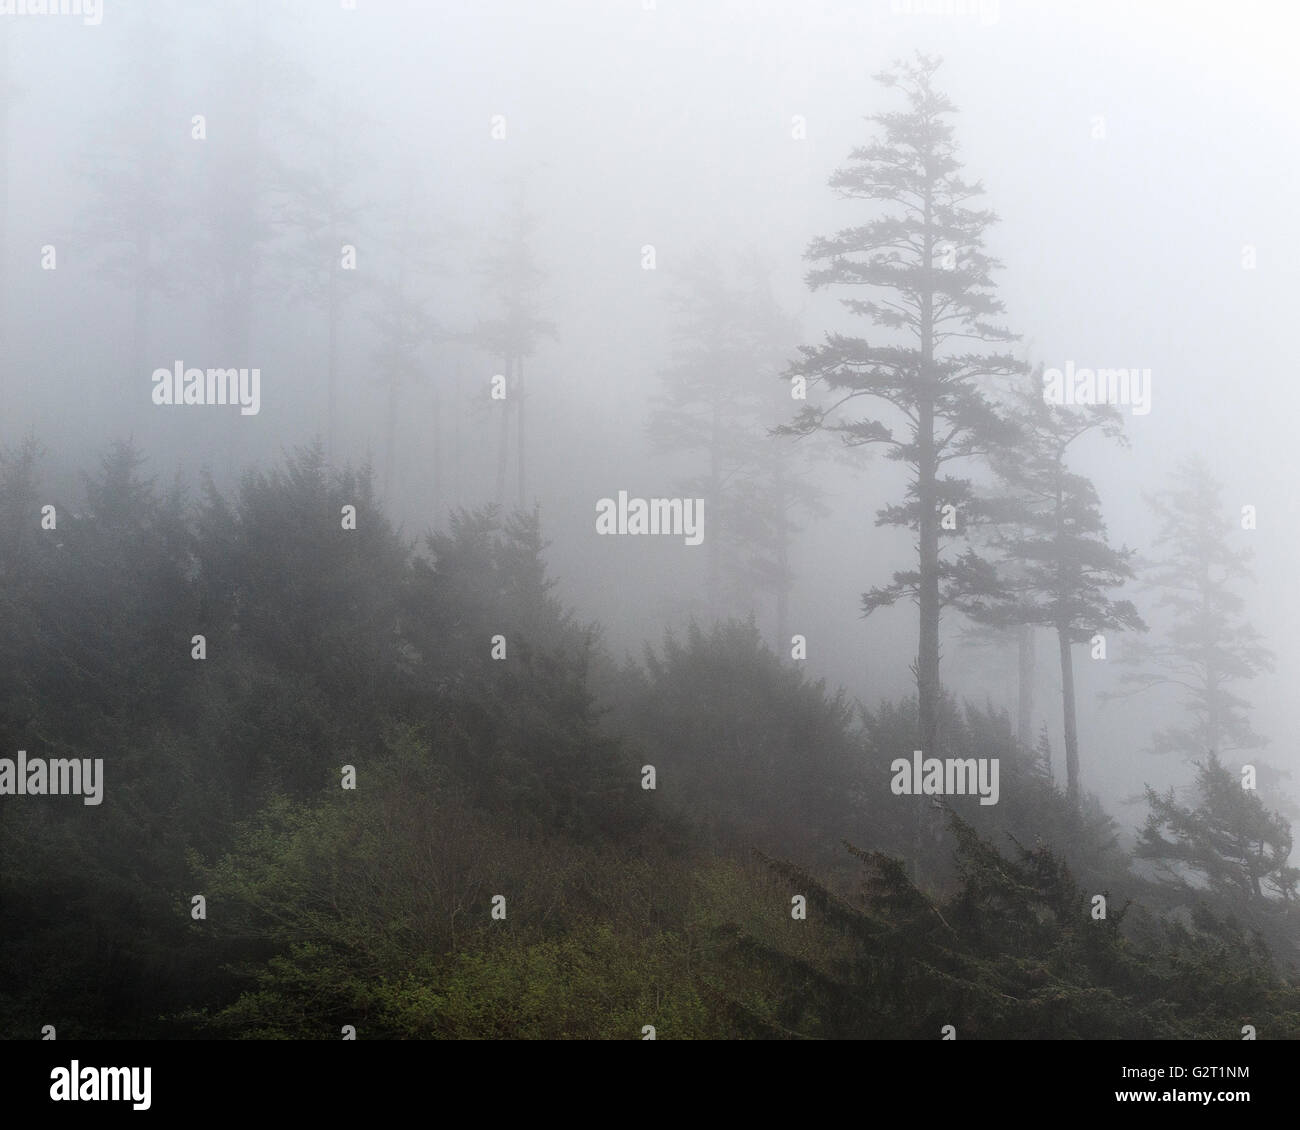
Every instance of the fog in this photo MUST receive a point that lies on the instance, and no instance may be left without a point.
(312, 188)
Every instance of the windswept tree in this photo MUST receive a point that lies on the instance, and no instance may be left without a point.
(928, 289)
(1229, 846)
(1052, 539)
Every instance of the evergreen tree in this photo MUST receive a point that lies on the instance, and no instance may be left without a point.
(1230, 847)
(730, 727)
(136, 215)
(1054, 539)
(513, 277)
(1011, 952)
(405, 325)
(714, 410)
(926, 260)
(1043, 755)
(9, 97)
(322, 214)
(1003, 642)
(1209, 645)
(27, 555)
(248, 187)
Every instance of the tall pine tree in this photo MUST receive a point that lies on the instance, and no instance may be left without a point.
(1053, 542)
(923, 264)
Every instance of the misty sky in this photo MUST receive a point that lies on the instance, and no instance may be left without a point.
(673, 127)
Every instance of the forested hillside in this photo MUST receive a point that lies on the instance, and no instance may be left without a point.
(410, 787)
(684, 521)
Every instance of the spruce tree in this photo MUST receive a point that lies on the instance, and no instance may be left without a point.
(713, 411)
(1209, 645)
(1053, 539)
(929, 287)
(514, 278)
(405, 325)
(1229, 847)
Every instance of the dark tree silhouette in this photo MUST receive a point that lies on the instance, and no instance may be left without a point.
(924, 258)
(1052, 538)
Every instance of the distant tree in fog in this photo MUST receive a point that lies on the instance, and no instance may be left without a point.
(321, 215)
(1209, 647)
(513, 279)
(404, 324)
(716, 407)
(137, 216)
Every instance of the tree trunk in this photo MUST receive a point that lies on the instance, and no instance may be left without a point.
(927, 471)
(1071, 726)
(7, 389)
(519, 427)
(782, 562)
(503, 439)
(390, 436)
(919, 809)
(712, 544)
(927, 659)
(332, 362)
(140, 319)
(1025, 714)
(456, 416)
(437, 458)
(1213, 704)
